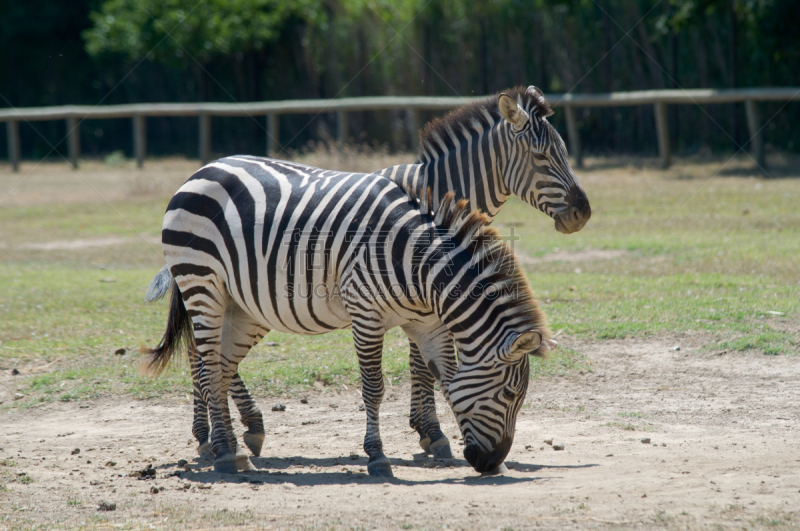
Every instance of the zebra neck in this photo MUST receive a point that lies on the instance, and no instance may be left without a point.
(473, 169)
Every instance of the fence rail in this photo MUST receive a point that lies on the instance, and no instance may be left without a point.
(659, 99)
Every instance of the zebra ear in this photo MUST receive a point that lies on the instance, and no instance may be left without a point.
(518, 345)
(512, 112)
(540, 107)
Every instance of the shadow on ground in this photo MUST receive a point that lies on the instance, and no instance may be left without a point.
(304, 471)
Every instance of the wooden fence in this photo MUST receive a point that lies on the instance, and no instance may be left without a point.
(659, 99)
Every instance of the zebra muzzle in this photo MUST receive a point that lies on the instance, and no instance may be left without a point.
(483, 461)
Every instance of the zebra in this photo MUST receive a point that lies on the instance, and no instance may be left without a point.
(388, 260)
(484, 152)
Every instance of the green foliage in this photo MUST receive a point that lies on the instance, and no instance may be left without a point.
(172, 30)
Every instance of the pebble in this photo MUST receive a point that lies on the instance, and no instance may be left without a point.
(271, 344)
(154, 490)
(548, 441)
(304, 400)
(361, 407)
(18, 396)
(14, 372)
(120, 352)
(76, 451)
(676, 347)
(111, 463)
(279, 407)
(183, 462)
(558, 447)
(107, 506)
(646, 440)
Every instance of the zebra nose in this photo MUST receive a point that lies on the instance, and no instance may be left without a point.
(483, 461)
(574, 217)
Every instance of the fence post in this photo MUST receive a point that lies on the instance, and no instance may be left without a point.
(273, 134)
(73, 140)
(341, 128)
(756, 140)
(139, 139)
(572, 132)
(412, 123)
(662, 130)
(12, 131)
(205, 138)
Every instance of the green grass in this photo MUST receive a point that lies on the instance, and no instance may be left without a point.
(714, 256)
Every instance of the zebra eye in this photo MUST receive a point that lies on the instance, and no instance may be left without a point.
(508, 393)
(540, 155)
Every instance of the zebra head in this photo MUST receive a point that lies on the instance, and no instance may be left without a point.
(486, 397)
(538, 170)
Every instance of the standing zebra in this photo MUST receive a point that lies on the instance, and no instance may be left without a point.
(484, 152)
(386, 262)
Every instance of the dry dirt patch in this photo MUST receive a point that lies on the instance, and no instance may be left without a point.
(723, 450)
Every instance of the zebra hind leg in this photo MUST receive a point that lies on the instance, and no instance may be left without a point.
(423, 416)
(250, 415)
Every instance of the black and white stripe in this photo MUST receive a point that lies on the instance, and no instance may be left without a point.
(483, 152)
(238, 238)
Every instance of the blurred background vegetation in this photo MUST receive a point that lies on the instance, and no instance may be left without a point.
(123, 51)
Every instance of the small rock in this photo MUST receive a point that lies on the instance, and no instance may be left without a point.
(644, 495)
(271, 344)
(676, 347)
(573, 288)
(279, 407)
(14, 372)
(183, 463)
(354, 455)
(548, 441)
(646, 440)
(304, 400)
(111, 463)
(107, 506)
(187, 468)
(333, 406)
(362, 407)
(204, 486)
(146, 473)
(154, 490)
(108, 279)
(18, 396)
(558, 446)
(664, 444)
(76, 451)
(120, 352)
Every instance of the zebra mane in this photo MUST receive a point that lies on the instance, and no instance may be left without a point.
(489, 252)
(484, 113)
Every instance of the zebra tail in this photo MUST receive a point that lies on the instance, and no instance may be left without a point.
(179, 333)
(159, 285)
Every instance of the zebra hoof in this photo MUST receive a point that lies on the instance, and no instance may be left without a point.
(441, 449)
(226, 464)
(425, 444)
(380, 468)
(254, 441)
(243, 463)
(205, 452)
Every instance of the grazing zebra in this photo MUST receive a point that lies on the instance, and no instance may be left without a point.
(484, 152)
(242, 265)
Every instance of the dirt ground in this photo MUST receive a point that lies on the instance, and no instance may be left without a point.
(723, 453)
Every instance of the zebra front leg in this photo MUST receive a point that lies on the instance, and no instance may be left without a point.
(368, 338)
(423, 416)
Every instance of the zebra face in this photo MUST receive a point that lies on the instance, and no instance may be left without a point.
(487, 396)
(539, 171)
